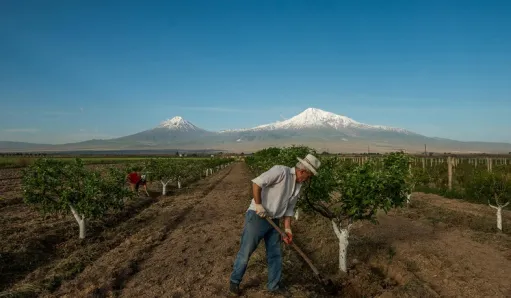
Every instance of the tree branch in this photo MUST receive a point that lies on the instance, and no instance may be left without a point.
(494, 207)
(75, 213)
(323, 210)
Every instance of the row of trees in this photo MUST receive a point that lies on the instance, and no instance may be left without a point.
(479, 180)
(349, 190)
(166, 170)
(468, 182)
(56, 186)
(345, 191)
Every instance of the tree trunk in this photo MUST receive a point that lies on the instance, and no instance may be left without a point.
(297, 214)
(179, 184)
(499, 214)
(164, 190)
(80, 220)
(343, 236)
(408, 198)
(499, 218)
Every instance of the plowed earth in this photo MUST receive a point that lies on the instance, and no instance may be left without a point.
(183, 245)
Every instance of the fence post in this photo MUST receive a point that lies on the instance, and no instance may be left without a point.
(449, 171)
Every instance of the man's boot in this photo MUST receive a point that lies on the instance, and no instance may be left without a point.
(234, 289)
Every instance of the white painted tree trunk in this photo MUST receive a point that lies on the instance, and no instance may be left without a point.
(343, 236)
(408, 198)
(499, 218)
(80, 220)
(499, 214)
(178, 183)
(164, 190)
(297, 214)
(207, 172)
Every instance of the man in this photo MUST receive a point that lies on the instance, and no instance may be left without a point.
(136, 180)
(275, 195)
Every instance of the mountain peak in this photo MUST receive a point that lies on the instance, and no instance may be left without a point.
(315, 117)
(312, 118)
(178, 123)
(177, 119)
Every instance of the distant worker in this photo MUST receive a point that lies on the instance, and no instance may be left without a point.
(136, 180)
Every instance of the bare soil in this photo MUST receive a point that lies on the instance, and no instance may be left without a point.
(184, 245)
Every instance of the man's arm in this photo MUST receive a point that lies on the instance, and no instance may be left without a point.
(266, 179)
(287, 222)
(256, 191)
(290, 211)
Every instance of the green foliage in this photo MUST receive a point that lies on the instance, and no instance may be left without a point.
(171, 169)
(492, 187)
(345, 190)
(54, 185)
(468, 179)
(261, 161)
(361, 190)
(162, 169)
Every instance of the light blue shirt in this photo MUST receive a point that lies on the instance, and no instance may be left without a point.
(279, 192)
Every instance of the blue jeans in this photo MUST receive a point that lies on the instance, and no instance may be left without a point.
(256, 229)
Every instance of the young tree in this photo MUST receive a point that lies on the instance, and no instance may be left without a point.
(493, 187)
(349, 192)
(55, 186)
(162, 169)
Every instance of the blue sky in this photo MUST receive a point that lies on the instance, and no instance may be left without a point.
(75, 70)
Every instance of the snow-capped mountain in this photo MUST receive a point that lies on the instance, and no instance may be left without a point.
(313, 118)
(170, 131)
(178, 123)
(312, 126)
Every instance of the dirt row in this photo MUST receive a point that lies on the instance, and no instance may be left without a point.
(184, 245)
(38, 253)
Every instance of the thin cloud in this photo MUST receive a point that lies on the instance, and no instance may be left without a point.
(24, 130)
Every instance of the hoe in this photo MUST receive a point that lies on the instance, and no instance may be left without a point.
(327, 283)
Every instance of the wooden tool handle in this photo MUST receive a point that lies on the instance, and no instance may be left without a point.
(307, 260)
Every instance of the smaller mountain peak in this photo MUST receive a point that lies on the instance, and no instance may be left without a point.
(177, 122)
(177, 119)
(313, 110)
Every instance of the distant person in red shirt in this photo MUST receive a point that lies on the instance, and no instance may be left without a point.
(136, 180)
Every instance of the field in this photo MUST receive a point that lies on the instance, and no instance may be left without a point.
(20, 162)
(183, 245)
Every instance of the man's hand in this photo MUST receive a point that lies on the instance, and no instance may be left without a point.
(260, 210)
(289, 239)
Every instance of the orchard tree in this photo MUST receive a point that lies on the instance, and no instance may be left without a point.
(349, 192)
(162, 169)
(494, 188)
(55, 186)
